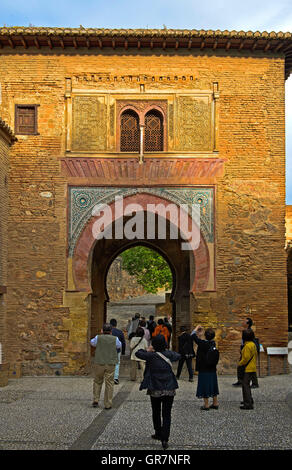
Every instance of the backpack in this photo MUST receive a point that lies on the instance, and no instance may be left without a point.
(212, 356)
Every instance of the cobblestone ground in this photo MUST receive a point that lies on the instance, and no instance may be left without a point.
(55, 413)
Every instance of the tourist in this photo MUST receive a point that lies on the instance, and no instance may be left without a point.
(105, 360)
(161, 329)
(160, 382)
(128, 326)
(151, 324)
(207, 377)
(247, 324)
(147, 335)
(248, 363)
(120, 335)
(137, 342)
(134, 325)
(169, 327)
(186, 350)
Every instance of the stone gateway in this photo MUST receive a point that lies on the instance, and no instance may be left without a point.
(153, 117)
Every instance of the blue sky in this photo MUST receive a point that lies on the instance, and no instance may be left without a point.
(254, 15)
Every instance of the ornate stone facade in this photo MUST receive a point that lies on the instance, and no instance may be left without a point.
(89, 124)
(221, 96)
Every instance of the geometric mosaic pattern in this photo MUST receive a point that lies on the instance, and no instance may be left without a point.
(83, 199)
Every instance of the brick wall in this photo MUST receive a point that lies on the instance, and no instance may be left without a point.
(6, 140)
(250, 198)
(289, 261)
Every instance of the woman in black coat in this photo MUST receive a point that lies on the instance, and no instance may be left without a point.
(207, 378)
(160, 382)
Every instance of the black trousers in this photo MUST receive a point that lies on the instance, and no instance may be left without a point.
(161, 416)
(246, 390)
(254, 378)
(189, 366)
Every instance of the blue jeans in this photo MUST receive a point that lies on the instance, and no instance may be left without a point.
(117, 368)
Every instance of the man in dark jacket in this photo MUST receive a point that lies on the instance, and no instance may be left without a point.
(119, 334)
(169, 327)
(151, 325)
(186, 350)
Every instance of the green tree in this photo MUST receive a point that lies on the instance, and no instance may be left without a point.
(150, 268)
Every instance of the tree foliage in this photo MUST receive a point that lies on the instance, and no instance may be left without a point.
(150, 268)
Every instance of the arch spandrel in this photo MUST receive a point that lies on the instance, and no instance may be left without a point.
(87, 240)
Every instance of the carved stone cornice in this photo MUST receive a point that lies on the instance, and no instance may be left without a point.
(166, 39)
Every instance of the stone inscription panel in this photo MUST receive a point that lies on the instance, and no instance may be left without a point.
(194, 124)
(89, 124)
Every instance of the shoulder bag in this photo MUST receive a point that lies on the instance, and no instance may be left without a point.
(241, 369)
(164, 358)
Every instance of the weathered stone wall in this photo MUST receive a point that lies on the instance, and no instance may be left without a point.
(43, 334)
(288, 224)
(289, 261)
(120, 285)
(6, 140)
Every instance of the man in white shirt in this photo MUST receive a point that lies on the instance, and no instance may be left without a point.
(105, 360)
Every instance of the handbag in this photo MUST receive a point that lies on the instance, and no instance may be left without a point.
(241, 369)
(132, 349)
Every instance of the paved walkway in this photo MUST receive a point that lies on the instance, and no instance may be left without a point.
(55, 413)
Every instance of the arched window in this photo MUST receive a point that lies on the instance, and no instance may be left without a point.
(153, 131)
(130, 132)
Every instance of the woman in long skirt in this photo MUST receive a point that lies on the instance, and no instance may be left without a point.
(207, 378)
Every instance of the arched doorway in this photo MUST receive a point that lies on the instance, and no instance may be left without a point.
(139, 280)
(92, 258)
(105, 251)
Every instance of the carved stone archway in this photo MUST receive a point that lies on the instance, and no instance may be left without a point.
(87, 240)
(92, 258)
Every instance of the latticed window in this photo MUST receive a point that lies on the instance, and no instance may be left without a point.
(153, 132)
(130, 132)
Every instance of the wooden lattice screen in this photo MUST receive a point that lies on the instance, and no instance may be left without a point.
(153, 132)
(130, 133)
